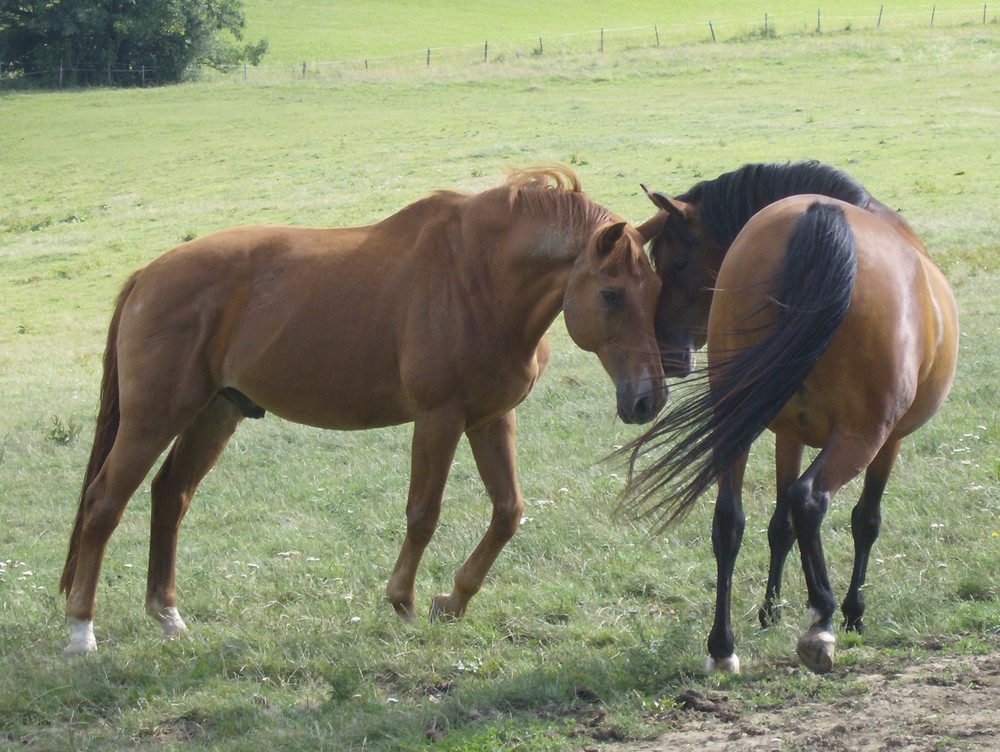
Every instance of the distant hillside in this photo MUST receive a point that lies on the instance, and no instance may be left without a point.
(333, 30)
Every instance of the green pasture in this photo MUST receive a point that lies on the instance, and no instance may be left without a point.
(285, 553)
(391, 32)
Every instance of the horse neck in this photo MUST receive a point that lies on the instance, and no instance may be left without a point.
(728, 202)
(532, 271)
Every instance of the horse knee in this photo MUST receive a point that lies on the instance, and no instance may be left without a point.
(808, 507)
(421, 523)
(507, 519)
(101, 519)
(865, 524)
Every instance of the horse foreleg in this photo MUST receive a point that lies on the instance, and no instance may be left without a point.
(727, 536)
(780, 534)
(866, 520)
(104, 504)
(435, 437)
(194, 453)
(493, 447)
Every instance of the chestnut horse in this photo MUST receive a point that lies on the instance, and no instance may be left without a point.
(828, 324)
(436, 315)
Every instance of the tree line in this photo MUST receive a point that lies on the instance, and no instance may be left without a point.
(79, 42)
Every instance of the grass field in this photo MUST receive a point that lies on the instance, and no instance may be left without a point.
(284, 555)
(397, 32)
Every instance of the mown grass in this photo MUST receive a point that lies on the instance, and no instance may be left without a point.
(285, 552)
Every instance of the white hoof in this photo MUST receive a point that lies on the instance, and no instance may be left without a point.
(730, 665)
(81, 637)
(816, 648)
(170, 619)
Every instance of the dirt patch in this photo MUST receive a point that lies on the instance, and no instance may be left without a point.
(949, 703)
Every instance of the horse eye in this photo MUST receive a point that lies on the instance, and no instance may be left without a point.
(681, 263)
(612, 298)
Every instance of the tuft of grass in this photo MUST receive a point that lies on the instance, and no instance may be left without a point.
(62, 432)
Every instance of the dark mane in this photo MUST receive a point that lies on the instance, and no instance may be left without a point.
(727, 202)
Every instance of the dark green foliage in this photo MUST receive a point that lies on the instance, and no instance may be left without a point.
(119, 42)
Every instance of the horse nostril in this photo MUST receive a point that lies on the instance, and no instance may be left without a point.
(642, 410)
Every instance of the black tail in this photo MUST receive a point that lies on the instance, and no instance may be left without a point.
(104, 433)
(717, 419)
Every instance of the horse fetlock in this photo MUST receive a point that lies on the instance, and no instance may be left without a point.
(728, 665)
(815, 648)
(446, 608)
(769, 615)
(404, 610)
(81, 637)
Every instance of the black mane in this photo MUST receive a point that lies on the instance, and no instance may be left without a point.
(727, 202)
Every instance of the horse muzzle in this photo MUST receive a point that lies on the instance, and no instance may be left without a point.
(638, 406)
(678, 362)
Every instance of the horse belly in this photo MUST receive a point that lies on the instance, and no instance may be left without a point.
(321, 388)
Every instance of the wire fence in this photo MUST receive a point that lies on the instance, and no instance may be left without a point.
(768, 25)
(68, 75)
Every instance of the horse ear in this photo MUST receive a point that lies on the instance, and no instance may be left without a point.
(669, 207)
(607, 239)
(677, 209)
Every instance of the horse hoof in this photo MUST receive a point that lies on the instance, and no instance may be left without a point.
(173, 624)
(169, 619)
(81, 638)
(728, 665)
(442, 610)
(816, 649)
(405, 613)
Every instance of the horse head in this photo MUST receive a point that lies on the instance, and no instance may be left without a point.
(686, 261)
(608, 307)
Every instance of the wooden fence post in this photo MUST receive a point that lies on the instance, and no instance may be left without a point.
(428, 57)
(656, 31)
(711, 29)
(486, 51)
(933, 12)
(602, 40)
(878, 24)
(541, 49)
(819, 26)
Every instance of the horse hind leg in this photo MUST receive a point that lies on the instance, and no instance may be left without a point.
(728, 524)
(866, 520)
(493, 447)
(809, 503)
(810, 498)
(105, 499)
(780, 533)
(193, 454)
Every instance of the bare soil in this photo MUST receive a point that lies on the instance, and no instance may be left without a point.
(946, 703)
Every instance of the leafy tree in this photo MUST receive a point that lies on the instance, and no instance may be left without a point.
(94, 42)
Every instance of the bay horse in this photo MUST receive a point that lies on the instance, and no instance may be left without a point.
(827, 323)
(437, 315)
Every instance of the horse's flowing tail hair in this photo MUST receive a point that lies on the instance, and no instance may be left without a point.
(731, 403)
(106, 430)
